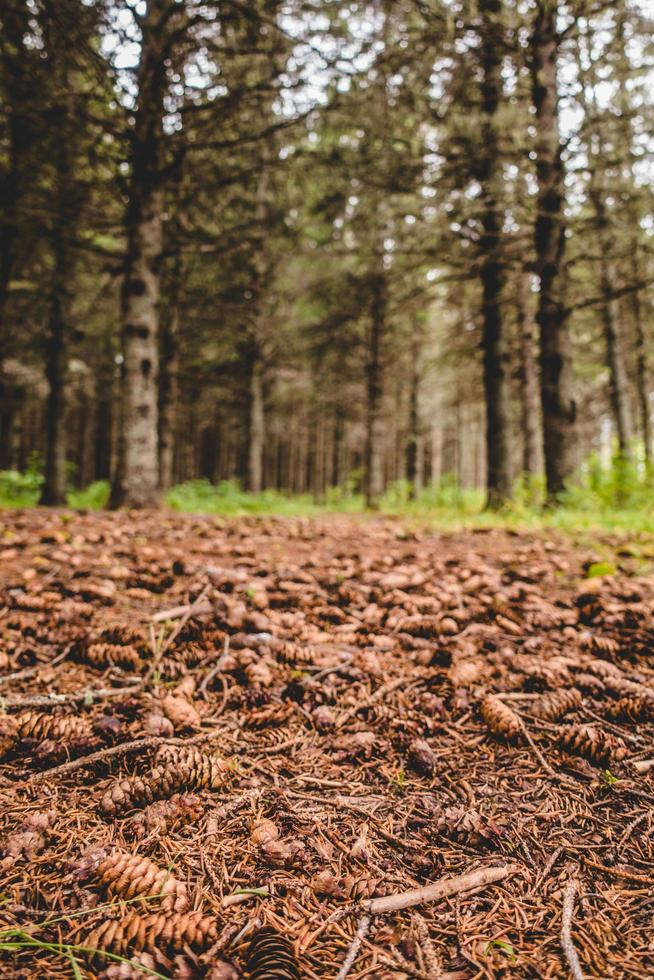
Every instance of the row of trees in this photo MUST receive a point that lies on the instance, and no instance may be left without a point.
(311, 244)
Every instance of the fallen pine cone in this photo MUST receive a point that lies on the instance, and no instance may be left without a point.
(112, 655)
(599, 747)
(500, 718)
(552, 706)
(465, 673)
(633, 709)
(270, 955)
(180, 711)
(422, 758)
(171, 933)
(8, 734)
(32, 724)
(132, 970)
(264, 831)
(131, 875)
(163, 815)
(192, 770)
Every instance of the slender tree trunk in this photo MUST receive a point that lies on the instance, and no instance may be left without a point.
(531, 441)
(137, 477)
(14, 25)
(256, 423)
(615, 354)
(66, 211)
(169, 373)
(556, 379)
(374, 450)
(495, 355)
(642, 370)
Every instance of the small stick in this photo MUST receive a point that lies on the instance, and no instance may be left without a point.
(548, 867)
(183, 611)
(52, 700)
(632, 826)
(21, 675)
(215, 670)
(109, 753)
(537, 752)
(643, 765)
(567, 945)
(355, 946)
(441, 889)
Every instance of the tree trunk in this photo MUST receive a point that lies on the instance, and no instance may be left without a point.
(137, 477)
(556, 380)
(256, 425)
(531, 443)
(495, 356)
(615, 354)
(66, 211)
(16, 95)
(642, 370)
(169, 374)
(374, 451)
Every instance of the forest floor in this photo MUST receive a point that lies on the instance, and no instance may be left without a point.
(215, 726)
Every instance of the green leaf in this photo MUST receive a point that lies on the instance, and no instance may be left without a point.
(504, 947)
(599, 568)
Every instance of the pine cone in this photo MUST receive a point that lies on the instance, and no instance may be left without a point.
(153, 933)
(8, 734)
(31, 724)
(270, 955)
(130, 875)
(465, 673)
(356, 888)
(192, 770)
(162, 816)
(554, 705)
(633, 709)
(590, 684)
(599, 747)
(111, 655)
(500, 718)
(122, 636)
(180, 711)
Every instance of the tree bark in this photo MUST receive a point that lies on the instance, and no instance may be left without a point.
(256, 423)
(531, 441)
(374, 450)
(556, 380)
(495, 355)
(169, 373)
(136, 481)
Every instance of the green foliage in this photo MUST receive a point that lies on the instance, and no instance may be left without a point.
(600, 568)
(93, 497)
(20, 489)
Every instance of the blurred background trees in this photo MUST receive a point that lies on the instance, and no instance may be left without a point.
(308, 246)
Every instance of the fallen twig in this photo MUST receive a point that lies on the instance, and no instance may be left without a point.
(643, 765)
(567, 945)
(81, 697)
(21, 675)
(184, 612)
(441, 889)
(109, 753)
(355, 946)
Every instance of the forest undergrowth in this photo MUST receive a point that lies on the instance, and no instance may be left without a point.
(311, 747)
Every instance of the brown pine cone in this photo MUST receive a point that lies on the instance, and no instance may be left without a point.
(555, 704)
(633, 709)
(160, 931)
(271, 955)
(113, 655)
(132, 970)
(590, 684)
(180, 711)
(130, 875)
(192, 770)
(8, 734)
(599, 747)
(356, 888)
(465, 673)
(32, 724)
(500, 718)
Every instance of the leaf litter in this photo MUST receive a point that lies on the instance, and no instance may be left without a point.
(290, 747)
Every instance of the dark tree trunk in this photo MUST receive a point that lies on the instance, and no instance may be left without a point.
(642, 368)
(531, 439)
(557, 399)
(58, 329)
(495, 355)
(169, 373)
(374, 451)
(137, 475)
(14, 24)
(415, 442)
(256, 424)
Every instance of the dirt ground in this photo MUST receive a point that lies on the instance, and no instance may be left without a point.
(214, 727)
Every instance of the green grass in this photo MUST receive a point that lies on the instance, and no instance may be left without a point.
(614, 500)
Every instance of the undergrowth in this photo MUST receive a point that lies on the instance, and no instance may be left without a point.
(618, 498)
